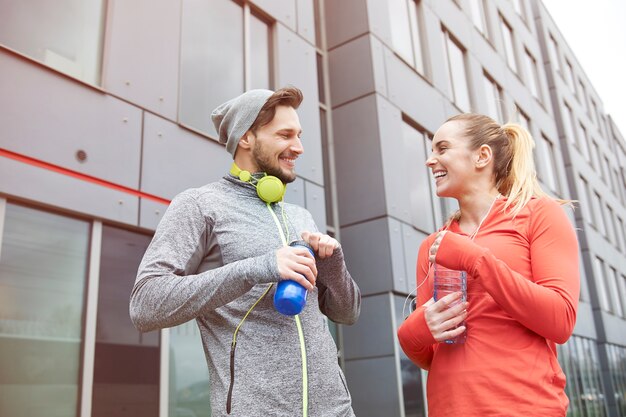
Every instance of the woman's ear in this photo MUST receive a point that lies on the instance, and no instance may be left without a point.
(484, 156)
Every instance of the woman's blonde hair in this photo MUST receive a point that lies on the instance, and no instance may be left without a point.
(512, 147)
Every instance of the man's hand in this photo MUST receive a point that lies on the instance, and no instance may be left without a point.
(322, 244)
(297, 264)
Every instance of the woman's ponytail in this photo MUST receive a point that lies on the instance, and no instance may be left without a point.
(519, 184)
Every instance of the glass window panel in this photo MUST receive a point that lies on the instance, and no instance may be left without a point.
(321, 91)
(600, 278)
(420, 193)
(126, 362)
(509, 50)
(611, 229)
(614, 291)
(212, 59)
(457, 73)
(570, 76)
(64, 34)
(326, 163)
(42, 283)
(598, 213)
(259, 53)
(621, 287)
(493, 93)
(553, 50)
(585, 201)
(412, 388)
(518, 5)
(584, 142)
(477, 10)
(606, 170)
(582, 95)
(595, 154)
(532, 75)
(523, 119)
(416, 32)
(568, 124)
(401, 29)
(189, 375)
(621, 234)
(547, 165)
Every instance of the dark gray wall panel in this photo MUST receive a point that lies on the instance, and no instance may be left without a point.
(142, 53)
(175, 159)
(360, 186)
(340, 12)
(316, 204)
(50, 117)
(372, 335)
(412, 94)
(18, 179)
(295, 193)
(351, 58)
(296, 65)
(374, 387)
(367, 250)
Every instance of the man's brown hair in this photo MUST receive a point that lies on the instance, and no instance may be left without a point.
(287, 96)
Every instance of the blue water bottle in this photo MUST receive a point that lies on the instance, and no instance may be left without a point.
(290, 297)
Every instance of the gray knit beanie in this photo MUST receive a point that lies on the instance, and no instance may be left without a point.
(234, 118)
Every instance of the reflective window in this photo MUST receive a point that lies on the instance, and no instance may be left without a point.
(600, 279)
(415, 148)
(64, 34)
(509, 49)
(569, 76)
(598, 213)
(518, 5)
(522, 118)
(213, 59)
(532, 75)
(614, 291)
(582, 95)
(457, 76)
(477, 9)
(585, 201)
(553, 50)
(568, 124)
(606, 171)
(126, 362)
(547, 163)
(579, 360)
(43, 271)
(621, 234)
(406, 32)
(617, 369)
(189, 375)
(495, 101)
(611, 226)
(583, 142)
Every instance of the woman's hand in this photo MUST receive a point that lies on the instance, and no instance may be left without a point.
(443, 316)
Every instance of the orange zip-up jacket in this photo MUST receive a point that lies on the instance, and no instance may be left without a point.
(523, 285)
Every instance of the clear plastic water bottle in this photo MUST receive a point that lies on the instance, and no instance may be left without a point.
(290, 297)
(448, 281)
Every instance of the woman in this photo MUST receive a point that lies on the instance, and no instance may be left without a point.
(521, 257)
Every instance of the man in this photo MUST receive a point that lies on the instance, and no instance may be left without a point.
(220, 250)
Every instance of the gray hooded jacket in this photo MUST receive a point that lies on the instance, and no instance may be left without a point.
(211, 259)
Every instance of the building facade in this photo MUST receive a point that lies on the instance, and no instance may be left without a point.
(105, 118)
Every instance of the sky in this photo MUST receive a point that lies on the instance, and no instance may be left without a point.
(596, 33)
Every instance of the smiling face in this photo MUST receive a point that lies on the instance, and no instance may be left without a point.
(452, 163)
(277, 145)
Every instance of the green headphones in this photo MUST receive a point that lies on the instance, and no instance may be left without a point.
(269, 188)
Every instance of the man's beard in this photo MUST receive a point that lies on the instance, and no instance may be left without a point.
(265, 164)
